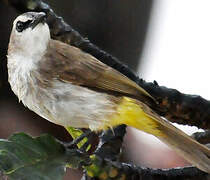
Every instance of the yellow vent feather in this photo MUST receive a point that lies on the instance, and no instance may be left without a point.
(129, 112)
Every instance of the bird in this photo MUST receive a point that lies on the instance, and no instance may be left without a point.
(72, 88)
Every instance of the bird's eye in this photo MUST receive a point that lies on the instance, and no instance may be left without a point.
(20, 26)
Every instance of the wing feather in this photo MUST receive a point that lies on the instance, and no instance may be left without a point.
(81, 68)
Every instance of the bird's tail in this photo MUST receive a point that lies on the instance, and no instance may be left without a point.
(138, 115)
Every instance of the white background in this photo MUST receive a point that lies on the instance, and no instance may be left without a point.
(177, 51)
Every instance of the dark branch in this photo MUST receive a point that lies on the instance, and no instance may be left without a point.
(131, 172)
(135, 172)
(202, 137)
(110, 143)
(108, 155)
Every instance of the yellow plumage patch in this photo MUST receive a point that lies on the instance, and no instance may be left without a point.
(129, 112)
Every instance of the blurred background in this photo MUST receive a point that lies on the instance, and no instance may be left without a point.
(166, 41)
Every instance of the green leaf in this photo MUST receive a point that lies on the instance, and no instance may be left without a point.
(43, 158)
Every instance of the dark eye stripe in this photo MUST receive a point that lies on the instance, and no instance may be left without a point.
(20, 26)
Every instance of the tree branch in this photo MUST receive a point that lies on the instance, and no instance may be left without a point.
(132, 172)
(202, 137)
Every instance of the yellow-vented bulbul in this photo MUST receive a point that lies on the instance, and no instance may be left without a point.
(69, 87)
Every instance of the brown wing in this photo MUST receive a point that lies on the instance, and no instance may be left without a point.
(81, 68)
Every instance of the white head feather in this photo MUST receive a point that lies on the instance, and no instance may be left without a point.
(31, 42)
(26, 49)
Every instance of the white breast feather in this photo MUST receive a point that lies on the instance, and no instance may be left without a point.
(63, 103)
(78, 106)
(18, 74)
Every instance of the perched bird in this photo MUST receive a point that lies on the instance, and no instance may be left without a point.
(69, 87)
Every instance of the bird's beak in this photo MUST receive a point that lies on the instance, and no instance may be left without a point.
(38, 18)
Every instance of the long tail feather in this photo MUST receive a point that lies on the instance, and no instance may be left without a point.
(136, 114)
(191, 150)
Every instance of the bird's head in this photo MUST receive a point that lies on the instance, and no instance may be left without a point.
(30, 34)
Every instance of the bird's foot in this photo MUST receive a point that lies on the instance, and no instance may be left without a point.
(83, 141)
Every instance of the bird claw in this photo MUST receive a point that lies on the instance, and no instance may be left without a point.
(86, 145)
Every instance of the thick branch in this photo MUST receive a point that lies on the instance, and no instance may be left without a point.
(110, 143)
(131, 172)
(135, 172)
(202, 137)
